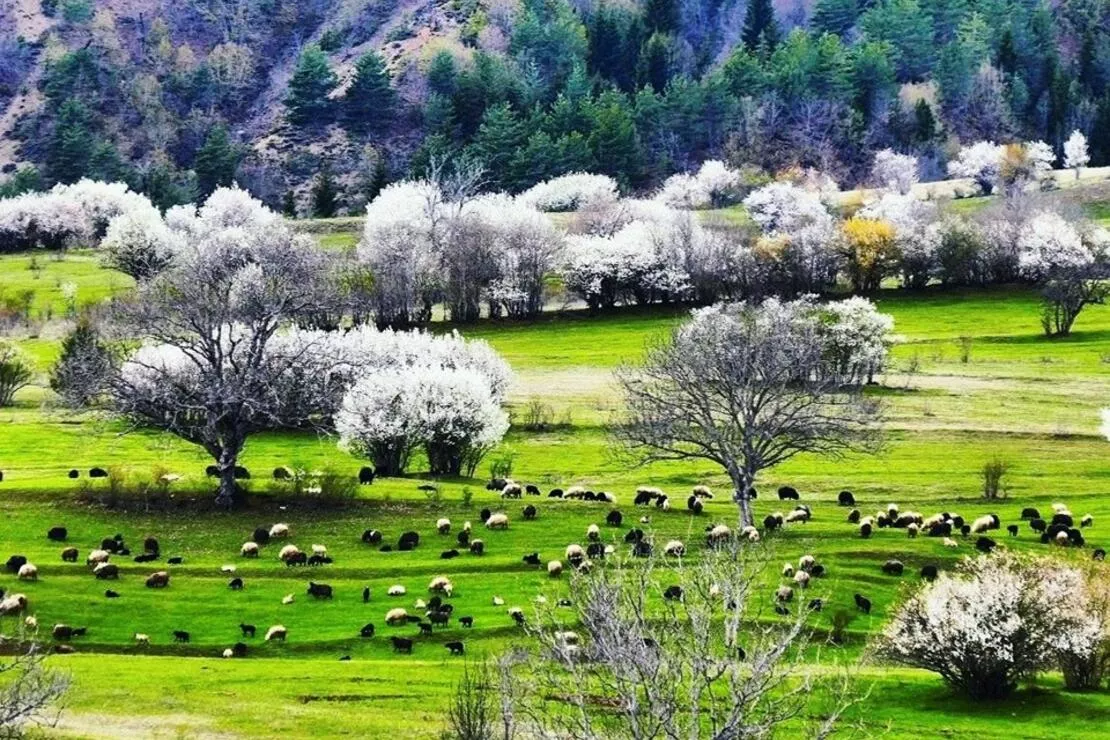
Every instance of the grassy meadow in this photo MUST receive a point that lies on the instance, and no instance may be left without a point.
(971, 380)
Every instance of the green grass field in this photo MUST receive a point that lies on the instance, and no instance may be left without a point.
(971, 379)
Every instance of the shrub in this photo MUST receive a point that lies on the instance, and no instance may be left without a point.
(16, 371)
(1085, 662)
(998, 620)
(993, 473)
(871, 251)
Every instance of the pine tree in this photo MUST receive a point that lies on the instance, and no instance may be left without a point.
(499, 137)
(289, 204)
(71, 143)
(216, 162)
(613, 140)
(442, 74)
(924, 122)
(835, 16)
(325, 195)
(307, 102)
(760, 27)
(368, 105)
(78, 375)
(655, 62)
(662, 16)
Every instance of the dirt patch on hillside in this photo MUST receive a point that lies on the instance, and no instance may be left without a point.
(77, 724)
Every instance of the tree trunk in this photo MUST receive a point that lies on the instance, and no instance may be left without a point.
(225, 464)
(741, 493)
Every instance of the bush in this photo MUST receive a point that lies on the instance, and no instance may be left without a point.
(15, 371)
(1085, 663)
(999, 620)
(993, 473)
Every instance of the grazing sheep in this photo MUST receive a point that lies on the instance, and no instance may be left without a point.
(287, 599)
(865, 530)
(235, 584)
(911, 530)
(319, 550)
(159, 579)
(929, 572)
(771, 522)
(512, 490)
(228, 569)
(1038, 525)
(595, 550)
(276, 632)
(248, 630)
(614, 518)
(150, 544)
(372, 537)
(674, 549)
(532, 558)
(478, 547)
(98, 473)
(498, 601)
(1012, 529)
(396, 590)
(663, 502)
(1064, 519)
(845, 498)
(73, 474)
(401, 644)
(575, 555)
(554, 569)
(517, 614)
(702, 492)
(110, 594)
(31, 622)
(633, 535)
(443, 525)
(854, 516)
(448, 554)
(228, 653)
(750, 533)
(673, 593)
(282, 473)
(319, 590)
(142, 639)
(289, 552)
(1087, 521)
(175, 561)
(69, 555)
(57, 534)
(555, 493)
(984, 524)
(532, 490)
(408, 541)
(893, 567)
(806, 562)
(862, 603)
(801, 578)
(694, 504)
(13, 604)
(985, 544)
(593, 533)
(65, 632)
(104, 571)
(815, 605)
(181, 636)
(788, 493)
(1099, 554)
(1062, 538)
(249, 550)
(396, 616)
(441, 584)
(497, 521)
(367, 630)
(261, 536)
(784, 593)
(1030, 513)
(279, 530)
(529, 513)
(14, 563)
(781, 610)
(455, 646)
(365, 475)
(949, 542)
(787, 571)
(817, 571)
(718, 534)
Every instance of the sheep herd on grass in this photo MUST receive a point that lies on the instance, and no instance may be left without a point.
(438, 611)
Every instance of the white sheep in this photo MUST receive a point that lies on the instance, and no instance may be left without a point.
(566, 637)
(498, 601)
(949, 542)
(443, 525)
(227, 568)
(279, 530)
(228, 653)
(702, 492)
(801, 578)
(31, 622)
(982, 524)
(784, 593)
(249, 550)
(396, 616)
(575, 553)
(911, 530)
(97, 556)
(674, 548)
(440, 583)
(511, 490)
(497, 521)
(466, 526)
(13, 603)
(287, 599)
(277, 632)
(142, 639)
(555, 568)
(787, 571)
(320, 550)
(806, 562)
(1059, 508)
(420, 604)
(798, 515)
(1061, 538)
(645, 519)
(396, 590)
(593, 533)
(719, 533)
(28, 572)
(750, 533)
(610, 549)
(287, 552)
(714, 590)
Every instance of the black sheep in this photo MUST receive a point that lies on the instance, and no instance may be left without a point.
(372, 537)
(57, 534)
(788, 493)
(862, 603)
(1030, 513)
(110, 594)
(496, 484)
(940, 529)
(180, 636)
(385, 548)
(98, 473)
(261, 536)
(401, 645)
(463, 538)
(893, 567)
(929, 572)
(484, 514)
(965, 530)
(595, 550)
(817, 571)
(642, 549)
(448, 554)
(532, 490)
(477, 547)
(366, 595)
(1099, 554)
(177, 560)
(455, 646)
(317, 559)
(239, 650)
(614, 518)
(771, 523)
(69, 555)
(150, 544)
(815, 605)
(865, 530)
(365, 475)
(634, 535)
(248, 630)
(1076, 537)
(240, 473)
(1012, 529)
(74, 473)
(555, 493)
(643, 498)
(529, 512)
(661, 502)
(985, 544)
(282, 473)
(467, 622)
(1038, 525)
(781, 610)
(853, 516)
(425, 628)
(366, 631)
(15, 562)
(673, 593)
(532, 558)
(146, 557)
(1064, 519)
(408, 541)
(235, 584)
(845, 498)
(319, 590)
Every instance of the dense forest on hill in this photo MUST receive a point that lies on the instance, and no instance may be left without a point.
(285, 96)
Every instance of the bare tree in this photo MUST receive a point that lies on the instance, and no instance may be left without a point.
(696, 663)
(213, 369)
(471, 715)
(746, 387)
(29, 693)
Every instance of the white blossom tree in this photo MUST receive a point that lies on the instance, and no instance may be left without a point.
(996, 621)
(746, 387)
(894, 171)
(714, 185)
(800, 234)
(917, 234)
(1076, 156)
(981, 161)
(571, 192)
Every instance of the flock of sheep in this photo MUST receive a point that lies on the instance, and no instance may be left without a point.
(438, 611)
